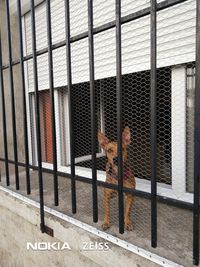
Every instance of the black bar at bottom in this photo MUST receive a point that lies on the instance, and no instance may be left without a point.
(119, 116)
(37, 114)
(153, 126)
(12, 93)
(28, 186)
(93, 110)
(51, 83)
(71, 110)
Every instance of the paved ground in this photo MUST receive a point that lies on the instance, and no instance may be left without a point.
(174, 224)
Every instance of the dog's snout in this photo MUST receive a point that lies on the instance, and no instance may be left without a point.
(115, 160)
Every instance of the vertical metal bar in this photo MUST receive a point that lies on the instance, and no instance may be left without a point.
(51, 83)
(119, 115)
(12, 95)
(28, 187)
(197, 143)
(37, 118)
(153, 124)
(4, 119)
(93, 109)
(71, 108)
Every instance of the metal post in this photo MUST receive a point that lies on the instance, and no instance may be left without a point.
(119, 115)
(12, 95)
(93, 109)
(28, 187)
(51, 84)
(4, 119)
(197, 143)
(153, 124)
(37, 115)
(71, 110)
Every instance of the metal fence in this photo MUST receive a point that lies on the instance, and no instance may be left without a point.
(145, 110)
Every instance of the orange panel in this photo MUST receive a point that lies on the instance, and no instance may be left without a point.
(46, 126)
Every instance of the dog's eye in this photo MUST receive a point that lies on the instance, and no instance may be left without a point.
(109, 150)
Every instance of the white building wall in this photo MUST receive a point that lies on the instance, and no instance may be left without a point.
(178, 131)
(176, 39)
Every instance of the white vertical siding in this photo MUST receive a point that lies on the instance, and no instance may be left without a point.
(178, 131)
(176, 39)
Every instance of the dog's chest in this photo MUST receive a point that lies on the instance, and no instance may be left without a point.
(127, 173)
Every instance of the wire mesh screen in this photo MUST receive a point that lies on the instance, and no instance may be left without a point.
(136, 115)
(190, 89)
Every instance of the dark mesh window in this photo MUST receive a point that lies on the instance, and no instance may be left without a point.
(190, 94)
(82, 119)
(136, 115)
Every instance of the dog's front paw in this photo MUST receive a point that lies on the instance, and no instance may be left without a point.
(105, 226)
(129, 226)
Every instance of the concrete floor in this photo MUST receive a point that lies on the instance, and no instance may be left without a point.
(174, 224)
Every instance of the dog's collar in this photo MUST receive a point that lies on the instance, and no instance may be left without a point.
(126, 170)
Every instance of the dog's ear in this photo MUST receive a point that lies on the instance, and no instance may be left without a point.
(103, 140)
(126, 136)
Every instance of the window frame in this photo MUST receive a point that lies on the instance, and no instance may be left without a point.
(173, 191)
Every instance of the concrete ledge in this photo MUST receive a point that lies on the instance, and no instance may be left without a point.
(20, 224)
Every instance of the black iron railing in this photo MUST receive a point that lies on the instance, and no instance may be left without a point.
(119, 21)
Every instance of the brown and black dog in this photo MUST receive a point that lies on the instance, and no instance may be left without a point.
(110, 149)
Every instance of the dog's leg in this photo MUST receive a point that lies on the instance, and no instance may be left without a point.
(129, 200)
(107, 195)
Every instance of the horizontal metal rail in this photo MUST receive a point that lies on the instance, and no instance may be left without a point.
(135, 192)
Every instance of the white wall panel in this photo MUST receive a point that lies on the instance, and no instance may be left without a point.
(41, 29)
(176, 39)
(178, 131)
(60, 71)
